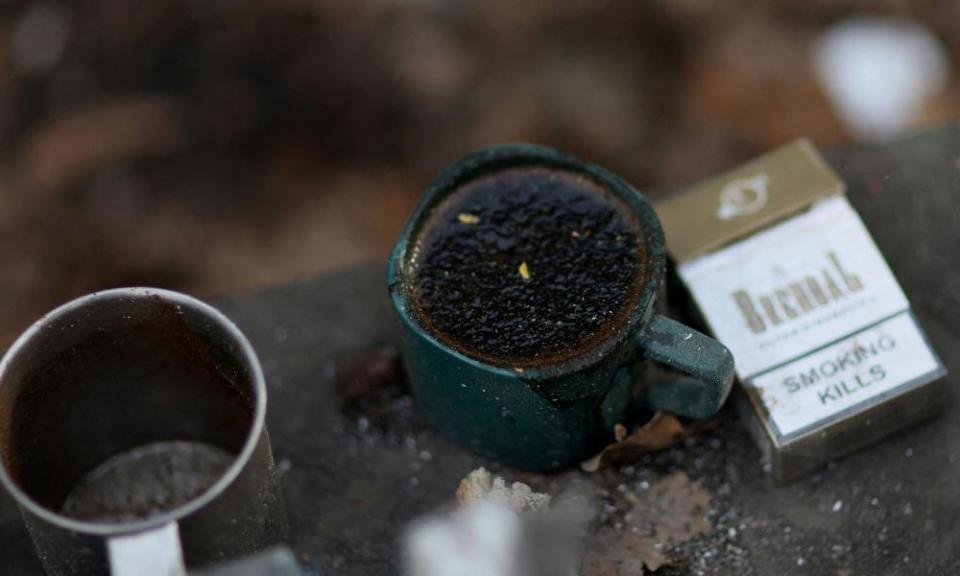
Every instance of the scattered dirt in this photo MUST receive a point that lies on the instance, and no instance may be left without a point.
(651, 514)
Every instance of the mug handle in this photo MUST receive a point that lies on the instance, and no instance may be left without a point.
(707, 363)
(155, 551)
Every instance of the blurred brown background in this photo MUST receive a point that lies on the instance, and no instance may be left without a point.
(219, 145)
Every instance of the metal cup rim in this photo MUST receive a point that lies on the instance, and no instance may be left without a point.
(239, 462)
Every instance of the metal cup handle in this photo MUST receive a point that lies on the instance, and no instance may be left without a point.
(706, 363)
(155, 552)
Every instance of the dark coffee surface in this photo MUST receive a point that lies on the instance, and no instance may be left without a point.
(146, 481)
(527, 265)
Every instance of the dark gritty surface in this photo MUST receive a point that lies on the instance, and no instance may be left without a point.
(579, 252)
(890, 509)
(146, 481)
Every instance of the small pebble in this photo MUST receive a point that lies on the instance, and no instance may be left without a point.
(838, 506)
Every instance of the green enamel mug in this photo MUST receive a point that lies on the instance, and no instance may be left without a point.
(551, 415)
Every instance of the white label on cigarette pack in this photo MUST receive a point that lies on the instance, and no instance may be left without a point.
(873, 364)
(812, 285)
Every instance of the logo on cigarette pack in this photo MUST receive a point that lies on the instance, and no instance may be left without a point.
(743, 196)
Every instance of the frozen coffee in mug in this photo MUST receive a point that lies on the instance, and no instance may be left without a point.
(528, 266)
(527, 284)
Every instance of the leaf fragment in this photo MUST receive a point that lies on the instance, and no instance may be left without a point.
(662, 431)
(524, 271)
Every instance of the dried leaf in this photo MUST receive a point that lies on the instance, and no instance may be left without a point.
(672, 511)
(524, 271)
(629, 555)
(676, 507)
(662, 431)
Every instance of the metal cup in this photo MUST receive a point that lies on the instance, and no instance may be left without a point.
(106, 384)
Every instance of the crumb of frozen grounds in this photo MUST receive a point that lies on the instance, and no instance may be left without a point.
(500, 529)
(481, 485)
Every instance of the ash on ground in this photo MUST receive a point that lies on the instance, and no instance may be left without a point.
(645, 522)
